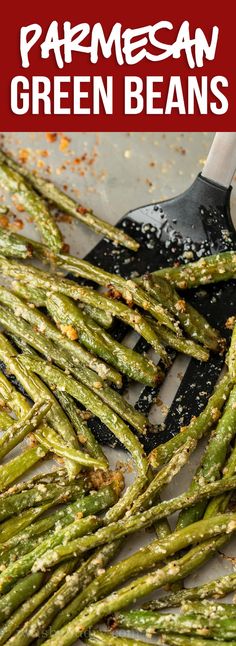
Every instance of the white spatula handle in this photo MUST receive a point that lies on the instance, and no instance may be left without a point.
(221, 162)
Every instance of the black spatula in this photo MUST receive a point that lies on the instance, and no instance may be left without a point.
(184, 228)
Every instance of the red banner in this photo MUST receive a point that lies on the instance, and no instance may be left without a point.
(144, 66)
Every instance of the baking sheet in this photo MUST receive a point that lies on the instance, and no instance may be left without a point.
(113, 173)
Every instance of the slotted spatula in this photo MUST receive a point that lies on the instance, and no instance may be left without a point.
(184, 228)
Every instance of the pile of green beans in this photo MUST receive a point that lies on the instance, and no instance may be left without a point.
(61, 530)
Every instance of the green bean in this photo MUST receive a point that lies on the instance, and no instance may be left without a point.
(194, 324)
(125, 526)
(136, 589)
(51, 441)
(15, 400)
(35, 296)
(44, 325)
(62, 359)
(18, 594)
(125, 503)
(216, 589)
(102, 536)
(60, 475)
(35, 387)
(164, 476)
(85, 436)
(40, 494)
(198, 425)
(213, 459)
(231, 356)
(13, 246)
(180, 640)
(152, 622)
(56, 283)
(14, 526)
(97, 638)
(221, 502)
(38, 297)
(27, 540)
(210, 269)
(24, 564)
(91, 568)
(209, 609)
(16, 467)
(5, 420)
(37, 390)
(83, 505)
(119, 573)
(130, 291)
(29, 606)
(180, 343)
(104, 319)
(19, 430)
(68, 316)
(65, 203)
(13, 182)
(65, 360)
(91, 401)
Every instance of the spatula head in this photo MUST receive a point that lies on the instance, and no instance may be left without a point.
(193, 224)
